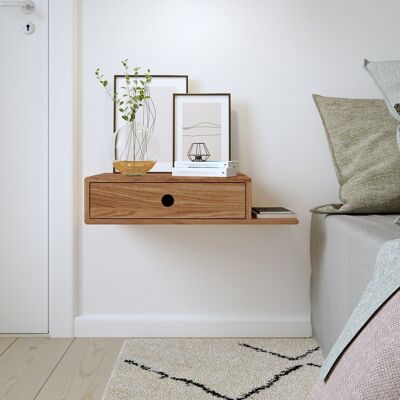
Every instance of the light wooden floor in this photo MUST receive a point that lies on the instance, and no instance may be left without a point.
(56, 369)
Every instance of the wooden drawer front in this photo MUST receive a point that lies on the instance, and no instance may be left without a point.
(190, 200)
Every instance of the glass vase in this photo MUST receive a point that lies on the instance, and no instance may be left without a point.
(135, 149)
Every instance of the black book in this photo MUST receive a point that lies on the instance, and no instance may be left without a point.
(271, 210)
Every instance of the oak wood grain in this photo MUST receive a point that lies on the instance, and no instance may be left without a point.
(198, 221)
(27, 364)
(249, 200)
(165, 178)
(144, 200)
(84, 371)
(134, 205)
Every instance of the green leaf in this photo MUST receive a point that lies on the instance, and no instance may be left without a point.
(125, 118)
(105, 83)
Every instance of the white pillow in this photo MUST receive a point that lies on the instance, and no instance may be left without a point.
(386, 75)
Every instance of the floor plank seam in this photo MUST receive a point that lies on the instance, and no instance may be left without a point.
(55, 367)
(15, 339)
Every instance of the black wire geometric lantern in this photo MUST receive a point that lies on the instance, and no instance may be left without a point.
(198, 152)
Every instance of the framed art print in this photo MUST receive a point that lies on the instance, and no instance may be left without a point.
(202, 127)
(162, 89)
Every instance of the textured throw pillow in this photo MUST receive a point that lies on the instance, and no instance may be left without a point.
(386, 75)
(364, 153)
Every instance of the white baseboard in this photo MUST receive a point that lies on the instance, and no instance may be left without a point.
(190, 326)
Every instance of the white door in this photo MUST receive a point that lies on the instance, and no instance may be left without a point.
(23, 170)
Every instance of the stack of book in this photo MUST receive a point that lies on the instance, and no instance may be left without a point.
(223, 169)
(272, 212)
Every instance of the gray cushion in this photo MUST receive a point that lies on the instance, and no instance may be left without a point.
(365, 155)
(386, 75)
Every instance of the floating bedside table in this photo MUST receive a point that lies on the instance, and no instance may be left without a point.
(166, 199)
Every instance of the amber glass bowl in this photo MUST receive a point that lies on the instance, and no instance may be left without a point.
(133, 167)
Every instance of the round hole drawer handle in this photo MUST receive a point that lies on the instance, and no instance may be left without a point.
(167, 200)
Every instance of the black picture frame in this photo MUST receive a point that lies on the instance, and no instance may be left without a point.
(176, 95)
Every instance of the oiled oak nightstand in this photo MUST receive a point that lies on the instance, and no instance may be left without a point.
(166, 199)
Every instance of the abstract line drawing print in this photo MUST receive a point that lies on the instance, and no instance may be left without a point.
(201, 123)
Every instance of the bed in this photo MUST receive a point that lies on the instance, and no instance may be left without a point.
(343, 254)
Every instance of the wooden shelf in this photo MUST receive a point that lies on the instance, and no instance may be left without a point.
(273, 221)
(120, 199)
(196, 221)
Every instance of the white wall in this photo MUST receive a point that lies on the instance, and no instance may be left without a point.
(271, 56)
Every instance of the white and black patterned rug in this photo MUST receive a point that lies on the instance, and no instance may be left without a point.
(214, 368)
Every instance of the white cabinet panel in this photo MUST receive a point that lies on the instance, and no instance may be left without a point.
(24, 170)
